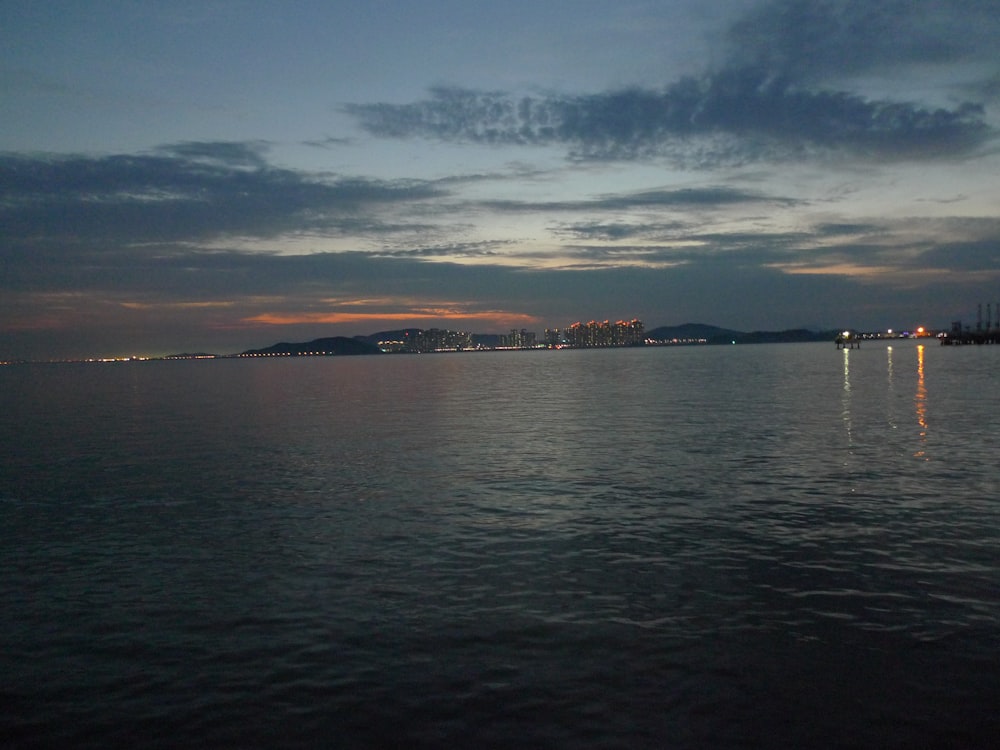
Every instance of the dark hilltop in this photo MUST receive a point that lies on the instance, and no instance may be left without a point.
(339, 345)
(714, 335)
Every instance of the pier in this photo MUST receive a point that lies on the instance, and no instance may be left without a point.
(986, 332)
(961, 338)
(848, 340)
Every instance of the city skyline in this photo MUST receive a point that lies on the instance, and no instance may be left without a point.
(578, 335)
(211, 176)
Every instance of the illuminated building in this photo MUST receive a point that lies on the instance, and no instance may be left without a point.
(439, 340)
(554, 338)
(595, 334)
(519, 339)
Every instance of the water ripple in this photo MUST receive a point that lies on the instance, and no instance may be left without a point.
(686, 548)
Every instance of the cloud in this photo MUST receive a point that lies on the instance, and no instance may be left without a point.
(734, 116)
(689, 198)
(453, 250)
(185, 192)
(681, 198)
(808, 40)
(229, 153)
(437, 316)
(329, 142)
(780, 93)
(616, 231)
(986, 89)
(981, 256)
(188, 297)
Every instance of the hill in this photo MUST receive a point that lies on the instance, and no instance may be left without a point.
(402, 334)
(485, 340)
(335, 345)
(716, 335)
(692, 331)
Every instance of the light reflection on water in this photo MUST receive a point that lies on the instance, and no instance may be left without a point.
(705, 546)
(920, 401)
(846, 398)
(890, 400)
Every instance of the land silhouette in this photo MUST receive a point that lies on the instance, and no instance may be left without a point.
(688, 333)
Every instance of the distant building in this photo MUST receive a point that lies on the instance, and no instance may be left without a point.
(554, 338)
(519, 339)
(394, 346)
(439, 340)
(595, 334)
(580, 335)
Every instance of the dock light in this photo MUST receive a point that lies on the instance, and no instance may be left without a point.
(920, 331)
(846, 334)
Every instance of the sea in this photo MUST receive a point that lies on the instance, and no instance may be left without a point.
(761, 546)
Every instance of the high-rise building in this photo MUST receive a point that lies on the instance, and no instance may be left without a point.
(554, 337)
(522, 339)
(438, 340)
(597, 334)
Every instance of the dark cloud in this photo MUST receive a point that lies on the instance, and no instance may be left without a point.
(975, 257)
(229, 153)
(842, 229)
(987, 89)
(174, 272)
(329, 142)
(818, 39)
(771, 100)
(615, 231)
(190, 192)
(681, 198)
(690, 198)
(766, 245)
(602, 256)
(979, 256)
(736, 115)
(486, 249)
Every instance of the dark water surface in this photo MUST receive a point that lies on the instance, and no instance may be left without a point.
(725, 547)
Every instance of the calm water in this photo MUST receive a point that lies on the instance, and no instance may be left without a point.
(763, 546)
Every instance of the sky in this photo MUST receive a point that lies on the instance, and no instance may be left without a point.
(225, 174)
